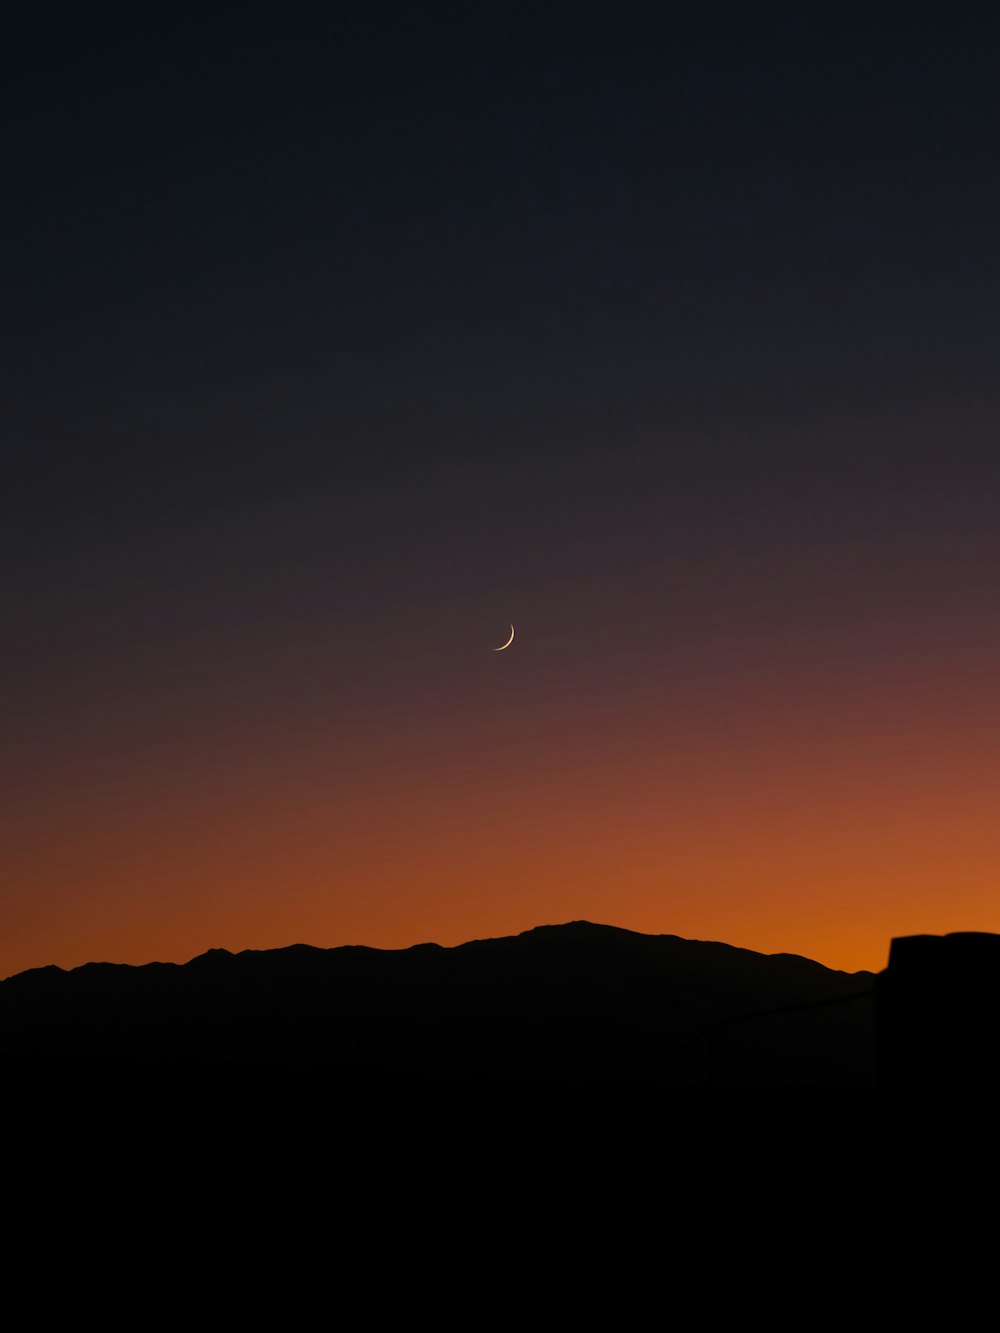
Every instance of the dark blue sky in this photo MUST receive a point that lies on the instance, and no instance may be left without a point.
(256, 255)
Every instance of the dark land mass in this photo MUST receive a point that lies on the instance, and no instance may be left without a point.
(557, 1006)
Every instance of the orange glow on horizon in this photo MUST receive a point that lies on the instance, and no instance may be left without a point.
(822, 822)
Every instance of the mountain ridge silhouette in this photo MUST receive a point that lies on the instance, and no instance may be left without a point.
(580, 927)
(578, 1001)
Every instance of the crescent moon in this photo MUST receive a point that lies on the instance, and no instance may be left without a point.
(508, 643)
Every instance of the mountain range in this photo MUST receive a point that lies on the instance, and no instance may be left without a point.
(557, 1005)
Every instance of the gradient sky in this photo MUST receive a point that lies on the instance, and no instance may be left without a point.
(335, 342)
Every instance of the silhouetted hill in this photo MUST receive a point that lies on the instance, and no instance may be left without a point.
(558, 1004)
(939, 1013)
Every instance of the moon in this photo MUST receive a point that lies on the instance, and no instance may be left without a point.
(508, 643)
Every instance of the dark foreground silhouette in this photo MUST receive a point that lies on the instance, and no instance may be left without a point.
(938, 1014)
(570, 1005)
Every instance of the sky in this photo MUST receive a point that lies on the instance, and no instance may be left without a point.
(337, 340)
